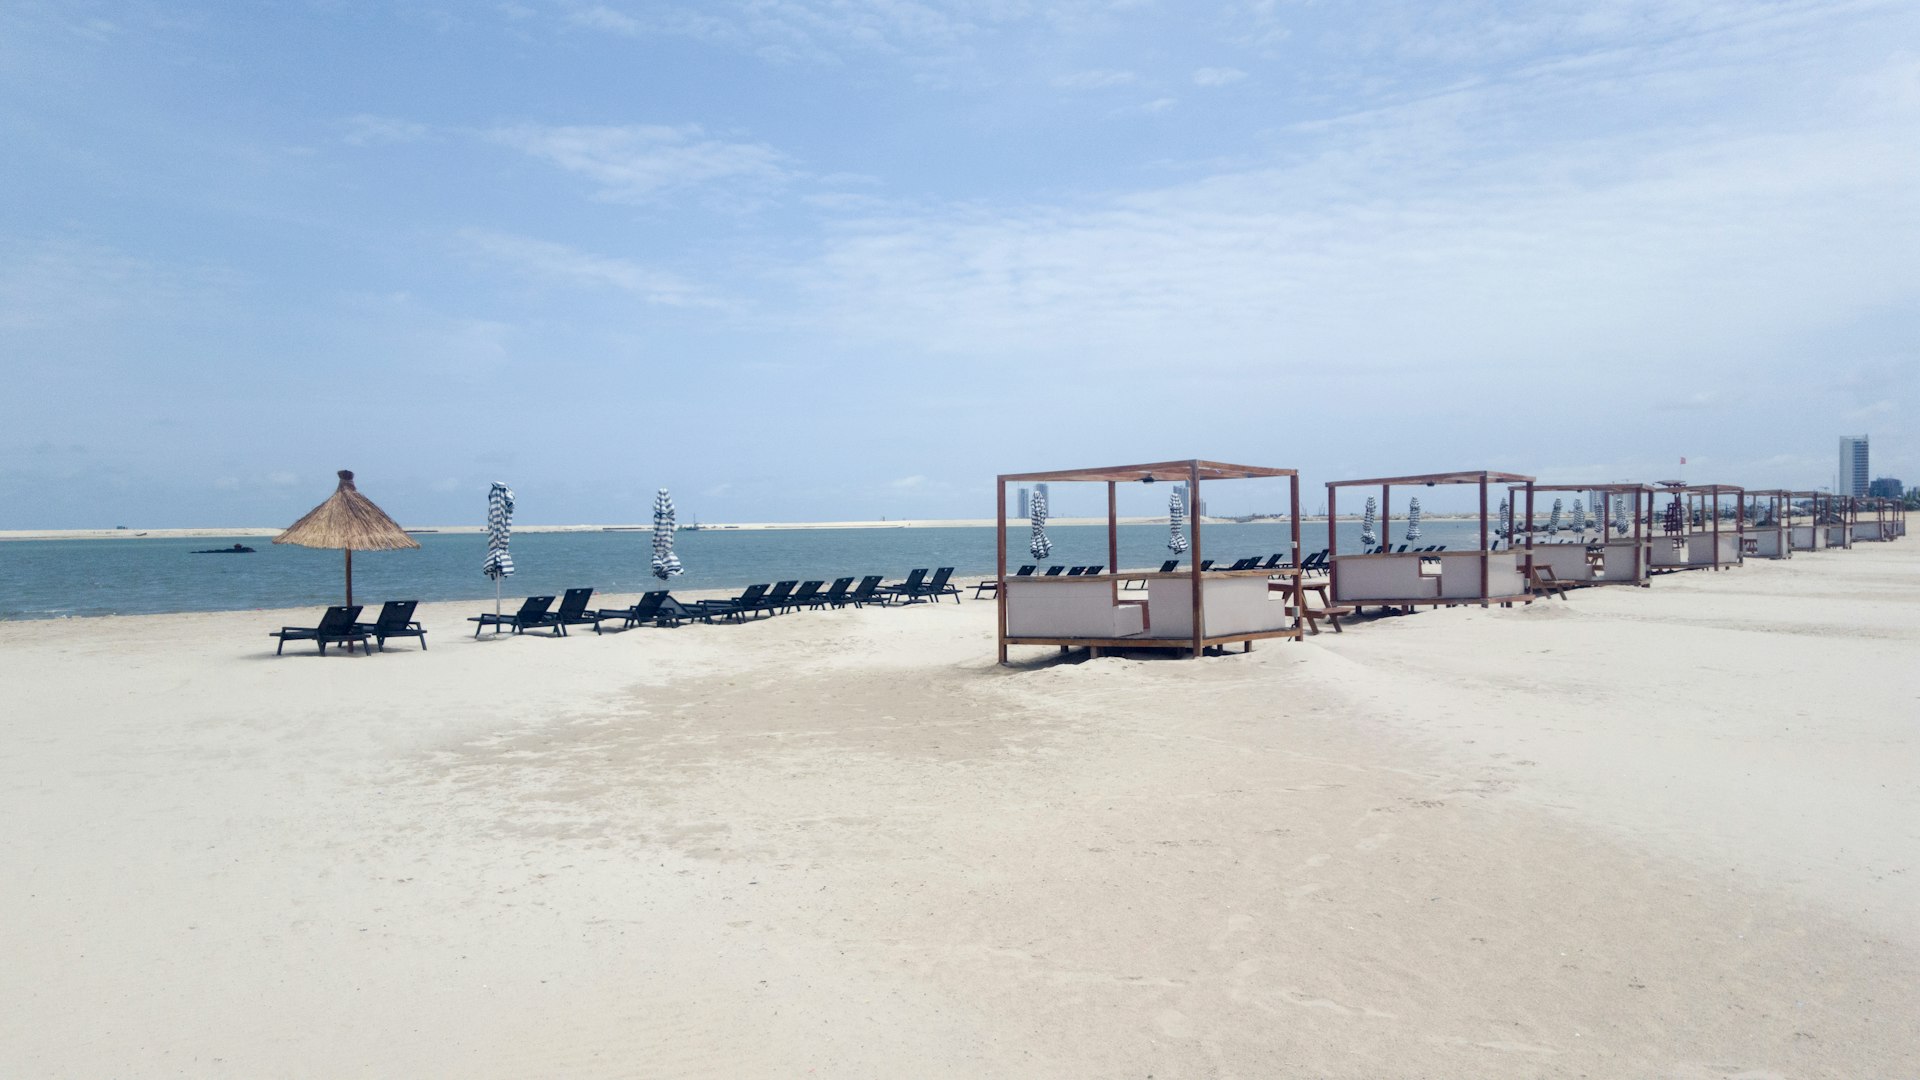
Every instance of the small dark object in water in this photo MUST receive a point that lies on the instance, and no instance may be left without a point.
(237, 549)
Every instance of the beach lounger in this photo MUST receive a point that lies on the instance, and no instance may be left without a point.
(734, 608)
(836, 593)
(534, 611)
(1095, 569)
(1206, 565)
(1054, 571)
(905, 588)
(868, 593)
(1273, 561)
(396, 620)
(1076, 571)
(573, 612)
(336, 628)
(994, 586)
(651, 608)
(934, 588)
(1167, 567)
(775, 601)
(807, 595)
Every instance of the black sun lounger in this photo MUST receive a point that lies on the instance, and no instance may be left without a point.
(734, 608)
(806, 596)
(336, 628)
(396, 620)
(573, 612)
(835, 595)
(992, 586)
(650, 608)
(905, 590)
(533, 613)
(868, 593)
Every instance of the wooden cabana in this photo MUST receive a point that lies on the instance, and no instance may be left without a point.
(1624, 559)
(1877, 518)
(1696, 536)
(1815, 533)
(1769, 514)
(1190, 610)
(1407, 579)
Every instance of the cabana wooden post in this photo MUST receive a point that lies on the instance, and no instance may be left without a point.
(1612, 560)
(1770, 535)
(1087, 611)
(1397, 579)
(1707, 544)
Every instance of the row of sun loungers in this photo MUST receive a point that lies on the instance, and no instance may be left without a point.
(340, 625)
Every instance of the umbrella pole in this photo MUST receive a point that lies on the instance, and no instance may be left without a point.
(349, 587)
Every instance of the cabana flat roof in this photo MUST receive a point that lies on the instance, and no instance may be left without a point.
(1473, 477)
(1158, 470)
(1697, 489)
(1591, 487)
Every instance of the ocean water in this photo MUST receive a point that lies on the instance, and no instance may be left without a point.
(57, 578)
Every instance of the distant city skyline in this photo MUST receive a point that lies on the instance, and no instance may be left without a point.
(844, 259)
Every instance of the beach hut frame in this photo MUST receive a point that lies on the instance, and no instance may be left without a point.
(1818, 534)
(1192, 472)
(1639, 517)
(1755, 541)
(1888, 518)
(1705, 500)
(1503, 588)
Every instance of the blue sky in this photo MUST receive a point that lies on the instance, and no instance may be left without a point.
(850, 258)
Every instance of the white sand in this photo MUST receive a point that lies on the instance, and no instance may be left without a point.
(1670, 832)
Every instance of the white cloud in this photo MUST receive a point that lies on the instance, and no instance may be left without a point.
(1217, 76)
(907, 482)
(571, 266)
(645, 162)
(1096, 79)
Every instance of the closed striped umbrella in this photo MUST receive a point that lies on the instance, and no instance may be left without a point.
(665, 563)
(1037, 507)
(1176, 516)
(1369, 537)
(1553, 518)
(499, 561)
(1579, 523)
(1504, 529)
(1413, 519)
(1619, 516)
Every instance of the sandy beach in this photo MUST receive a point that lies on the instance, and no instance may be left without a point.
(1667, 832)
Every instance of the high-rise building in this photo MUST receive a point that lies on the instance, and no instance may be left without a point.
(1023, 504)
(1886, 487)
(1852, 479)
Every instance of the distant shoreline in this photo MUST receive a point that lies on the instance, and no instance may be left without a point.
(245, 532)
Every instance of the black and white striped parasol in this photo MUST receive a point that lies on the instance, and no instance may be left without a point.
(1037, 507)
(665, 563)
(1368, 536)
(499, 562)
(1413, 520)
(1176, 516)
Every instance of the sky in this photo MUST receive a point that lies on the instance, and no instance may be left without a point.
(846, 259)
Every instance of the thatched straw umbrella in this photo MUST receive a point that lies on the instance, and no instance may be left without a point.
(347, 521)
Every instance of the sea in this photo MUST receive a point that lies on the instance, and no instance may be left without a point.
(45, 579)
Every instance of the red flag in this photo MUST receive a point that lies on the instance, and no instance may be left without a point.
(1683, 461)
